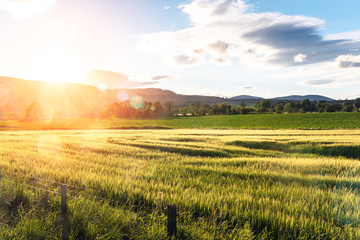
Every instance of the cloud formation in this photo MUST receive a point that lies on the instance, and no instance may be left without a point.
(23, 9)
(185, 60)
(247, 87)
(219, 47)
(318, 82)
(221, 61)
(162, 77)
(348, 61)
(113, 80)
(228, 29)
(300, 58)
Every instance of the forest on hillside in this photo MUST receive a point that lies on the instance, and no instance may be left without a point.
(143, 109)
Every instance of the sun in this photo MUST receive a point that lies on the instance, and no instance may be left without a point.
(56, 64)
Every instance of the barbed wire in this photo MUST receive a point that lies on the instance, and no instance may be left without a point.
(98, 199)
(37, 188)
(47, 180)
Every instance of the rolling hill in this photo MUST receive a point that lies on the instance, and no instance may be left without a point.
(246, 97)
(300, 98)
(79, 100)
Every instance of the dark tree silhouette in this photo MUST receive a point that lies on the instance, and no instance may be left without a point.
(34, 112)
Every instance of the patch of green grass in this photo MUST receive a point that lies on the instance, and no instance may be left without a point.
(340, 120)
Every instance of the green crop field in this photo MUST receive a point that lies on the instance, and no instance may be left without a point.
(226, 184)
(341, 120)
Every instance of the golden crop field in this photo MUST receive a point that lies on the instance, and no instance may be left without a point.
(226, 184)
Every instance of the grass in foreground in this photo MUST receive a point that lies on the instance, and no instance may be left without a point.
(227, 184)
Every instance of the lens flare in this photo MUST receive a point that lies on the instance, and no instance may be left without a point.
(4, 95)
(49, 112)
(123, 96)
(137, 102)
(102, 87)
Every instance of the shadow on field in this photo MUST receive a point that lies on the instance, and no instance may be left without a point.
(183, 139)
(187, 151)
(273, 178)
(319, 148)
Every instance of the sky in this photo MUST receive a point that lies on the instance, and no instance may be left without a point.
(265, 48)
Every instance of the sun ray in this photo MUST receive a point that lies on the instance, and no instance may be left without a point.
(56, 64)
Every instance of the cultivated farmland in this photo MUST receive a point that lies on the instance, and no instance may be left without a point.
(227, 184)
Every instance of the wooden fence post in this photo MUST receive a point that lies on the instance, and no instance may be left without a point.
(63, 200)
(64, 217)
(171, 220)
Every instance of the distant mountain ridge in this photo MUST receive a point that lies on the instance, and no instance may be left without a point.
(285, 98)
(246, 97)
(79, 100)
(300, 98)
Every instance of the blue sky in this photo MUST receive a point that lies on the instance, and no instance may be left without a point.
(266, 48)
(340, 16)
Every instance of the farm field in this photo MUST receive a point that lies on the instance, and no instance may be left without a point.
(340, 120)
(226, 184)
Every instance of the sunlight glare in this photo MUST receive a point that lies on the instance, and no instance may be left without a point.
(49, 144)
(137, 102)
(56, 65)
(102, 87)
(123, 96)
(4, 95)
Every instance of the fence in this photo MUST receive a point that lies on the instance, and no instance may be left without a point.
(170, 208)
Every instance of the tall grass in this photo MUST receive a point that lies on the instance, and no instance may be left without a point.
(227, 184)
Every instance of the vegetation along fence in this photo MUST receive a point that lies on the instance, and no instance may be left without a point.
(63, 194)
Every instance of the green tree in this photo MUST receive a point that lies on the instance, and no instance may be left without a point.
(279, 107)
(333, 108)
(264, 105)
(347, 106)
(305, 105)
(169, 105)
(194, 108)
(225, 108)
(158, 110)
(243, 109)
(288, 107)
(205, 109)
(357, 104)
(321, 105)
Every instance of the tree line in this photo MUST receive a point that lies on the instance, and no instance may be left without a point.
(144, 109)
(306, 106)
(267, 106)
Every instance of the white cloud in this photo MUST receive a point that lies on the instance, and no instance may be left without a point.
(247, 87)
(344, 35)
(185, 60)
(219, 47)
(205, 11)
(332, 77)
(23, 9)
(227, 29)
(221, 61)
(166, 7)
(300, 58)
(318, 82)
(162, 77)
(348, 61)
